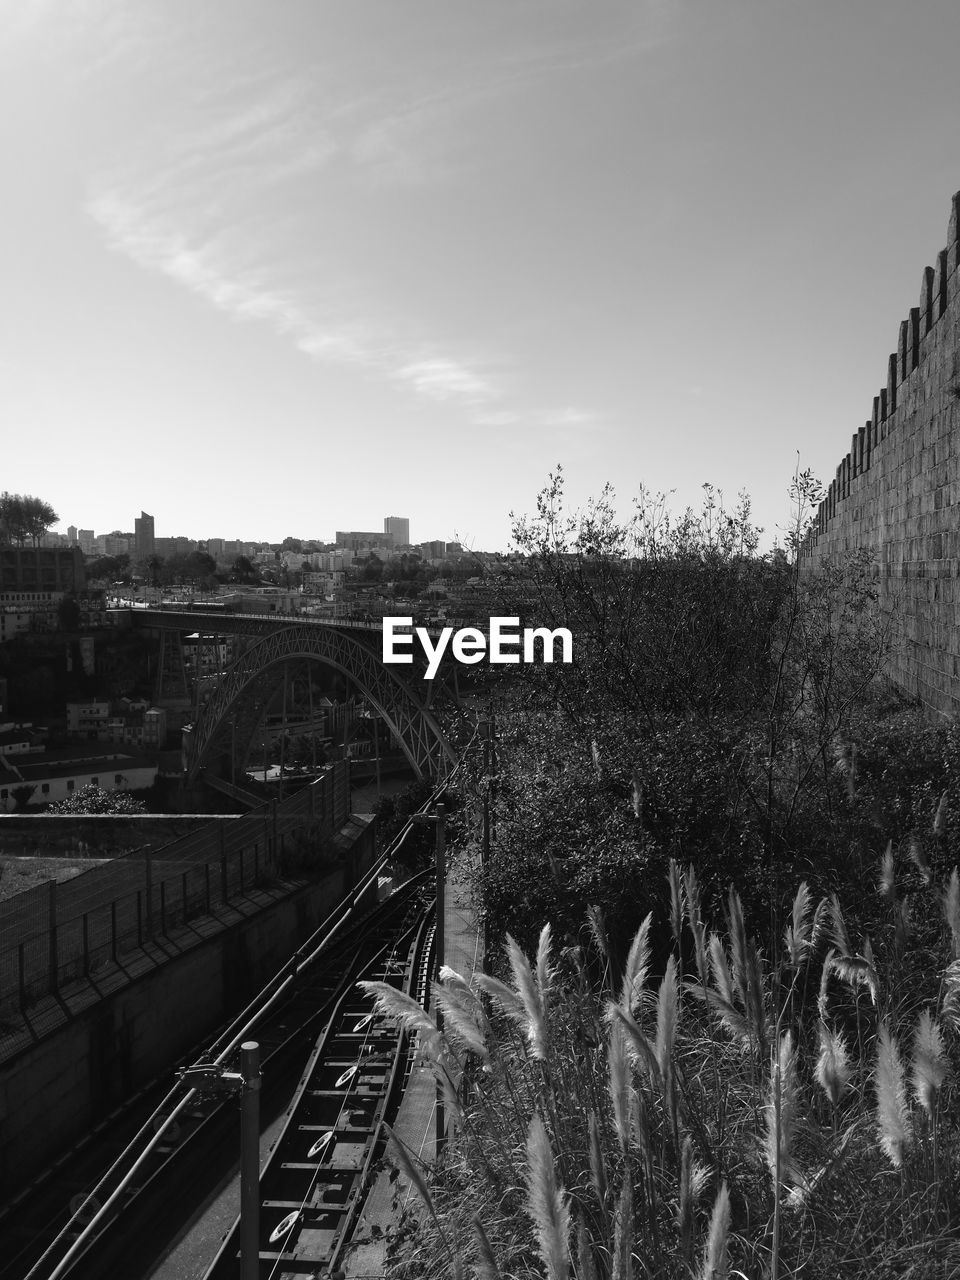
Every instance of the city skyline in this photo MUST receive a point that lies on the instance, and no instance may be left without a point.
(263, 270)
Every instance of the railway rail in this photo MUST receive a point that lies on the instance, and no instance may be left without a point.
(317, 1175)
(148, 1162)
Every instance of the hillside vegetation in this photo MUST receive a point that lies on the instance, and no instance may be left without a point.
(719, 1029)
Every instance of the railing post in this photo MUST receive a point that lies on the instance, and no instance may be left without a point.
(206, 885)
(184, 892)
(113, 931)
(85, 926)
(22, 975)
(53, 958)
(148, 871)
(163, 908)
(223, 864)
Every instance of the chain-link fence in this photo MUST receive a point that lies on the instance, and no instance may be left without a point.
(53, 934)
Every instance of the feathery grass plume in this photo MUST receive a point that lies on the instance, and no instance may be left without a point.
(754, 989)
(393, 1003)
(505, 996)
(547, 1203)
(833, 1070)
(929, 1062)
(715, 1263)
(918, 856)
(637, 967)
(595, 756)
(824, 984)
(545, 971)
(534, 1014)
(598, 1172)
(618, 1080)
(693, 1178)
(676, 908)
(780, 1114)
(487, 1268)
(821, 923)
(737, 929)
(636, 795)
(951, 910)
(798, 932)
(892, 1118)
(721, 999)
(856, 971)
(886, 882)
(950, 1007)
(639, 1046)
(623, 1234)
(837, 927)
(458, 1023)
(668, 1005)
(691, 899)
(940, 818)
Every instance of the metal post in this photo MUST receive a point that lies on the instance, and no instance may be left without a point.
(250, 1161)
(22, 975)
(52, 923)
(113, 931)
(149, 874)
(85, 927)
(441, 904)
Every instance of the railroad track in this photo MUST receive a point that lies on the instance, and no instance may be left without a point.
(316, 1178)
(166, 1149)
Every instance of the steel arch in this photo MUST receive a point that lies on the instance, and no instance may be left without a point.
(407, 714)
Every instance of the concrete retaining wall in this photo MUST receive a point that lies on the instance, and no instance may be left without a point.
(53, 1093)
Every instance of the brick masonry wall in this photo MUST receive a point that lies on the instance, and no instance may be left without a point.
(897, 492)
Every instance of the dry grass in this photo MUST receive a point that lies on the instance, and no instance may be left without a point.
(746, 1116)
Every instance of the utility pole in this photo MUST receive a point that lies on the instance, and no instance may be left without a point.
(208, 1077)
(439, 819)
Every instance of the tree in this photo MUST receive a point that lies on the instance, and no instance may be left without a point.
(21, 797)
(709, 688)
(23, 516)
(110, 568)
(94, 799)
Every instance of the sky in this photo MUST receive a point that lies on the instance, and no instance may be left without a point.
(277, 269)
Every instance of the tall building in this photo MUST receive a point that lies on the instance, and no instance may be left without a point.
(144, 540)
(71, 535)
(398, 528)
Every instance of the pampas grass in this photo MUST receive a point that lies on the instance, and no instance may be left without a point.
(830, 1151)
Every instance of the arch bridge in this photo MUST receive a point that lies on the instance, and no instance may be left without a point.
(228, 721)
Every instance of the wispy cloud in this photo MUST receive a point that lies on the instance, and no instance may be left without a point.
(230, 208)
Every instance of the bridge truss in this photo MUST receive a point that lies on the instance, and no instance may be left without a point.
(239, 702)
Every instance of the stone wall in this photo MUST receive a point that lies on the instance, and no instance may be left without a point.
(897, 490)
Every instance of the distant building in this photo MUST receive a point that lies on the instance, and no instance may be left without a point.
(41, 569)
(87, 540)
(59, 773)
(360, 540)
(397, 528)
(144, 537)
(435, 550)
(72, 535)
